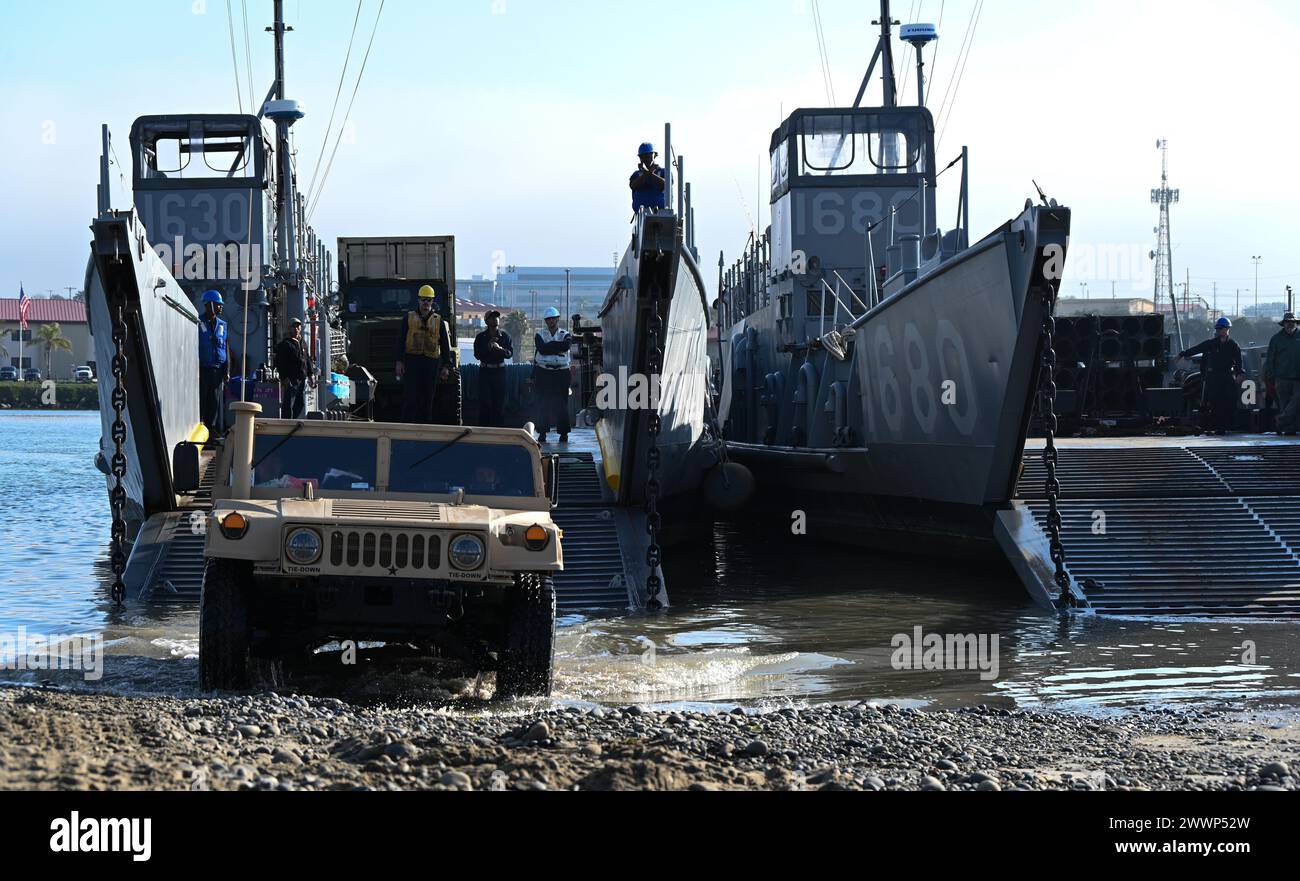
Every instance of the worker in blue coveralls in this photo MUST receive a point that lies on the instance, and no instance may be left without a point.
(649, 187)
(214, 365)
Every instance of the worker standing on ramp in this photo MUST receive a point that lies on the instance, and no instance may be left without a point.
(214, 365)
(1222, 372)
(551, 376)
(426, 358)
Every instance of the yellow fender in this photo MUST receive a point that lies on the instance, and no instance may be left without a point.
(608, 461)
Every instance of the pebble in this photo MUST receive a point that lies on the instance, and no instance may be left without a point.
(459, 779)
(1275, 770)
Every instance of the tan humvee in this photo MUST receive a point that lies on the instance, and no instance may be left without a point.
(431, 535)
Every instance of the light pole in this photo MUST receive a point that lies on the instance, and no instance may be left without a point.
(567, 313)
(1256, 260)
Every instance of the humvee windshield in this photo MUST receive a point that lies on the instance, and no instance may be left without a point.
(329, 463)
(388, 297)
(480, 469)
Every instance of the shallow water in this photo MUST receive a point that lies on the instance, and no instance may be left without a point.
(755, 619)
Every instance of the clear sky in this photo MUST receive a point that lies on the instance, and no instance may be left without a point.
(512, 124)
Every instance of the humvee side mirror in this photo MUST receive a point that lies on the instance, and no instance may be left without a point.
(185, 467)
(551, 473)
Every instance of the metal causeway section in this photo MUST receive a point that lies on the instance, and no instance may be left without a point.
(600, 540)
(1169, 527)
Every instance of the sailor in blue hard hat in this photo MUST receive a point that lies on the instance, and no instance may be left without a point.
(214, 365)
(1221, 377)
(649, 189)
(551, 376)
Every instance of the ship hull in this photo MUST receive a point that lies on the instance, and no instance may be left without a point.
(657, 276)
(915, 437)
(161, 349)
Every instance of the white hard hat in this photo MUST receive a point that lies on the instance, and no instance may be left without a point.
(551, 313)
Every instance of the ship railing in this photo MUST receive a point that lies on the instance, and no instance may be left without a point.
(839, 303)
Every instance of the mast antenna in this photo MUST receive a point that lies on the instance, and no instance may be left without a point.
(1163, 254)
(885, 51)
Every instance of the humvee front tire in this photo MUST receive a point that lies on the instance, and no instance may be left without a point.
(527, 664)
(225, 626)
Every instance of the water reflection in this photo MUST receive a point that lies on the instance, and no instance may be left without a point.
(757, 618)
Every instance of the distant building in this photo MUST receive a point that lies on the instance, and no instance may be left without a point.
(70, 315)
(1264, 310)
(1192, 309)
(535, 288)
(472, 311)
(476, 288)
(1070, 307)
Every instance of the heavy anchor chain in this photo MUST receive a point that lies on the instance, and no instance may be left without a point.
(1047, 410)
(653, 520)
(117, 465)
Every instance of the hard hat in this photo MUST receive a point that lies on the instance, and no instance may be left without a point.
(1222, 322)
(645, 148)
(426, 293)
(551, 313)
(212, 297)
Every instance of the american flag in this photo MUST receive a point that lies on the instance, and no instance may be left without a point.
(24, 303)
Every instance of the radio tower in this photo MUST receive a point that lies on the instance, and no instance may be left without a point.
(1164, 197)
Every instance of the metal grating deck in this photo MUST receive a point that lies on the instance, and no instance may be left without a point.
(176, 575)
(1173, 528)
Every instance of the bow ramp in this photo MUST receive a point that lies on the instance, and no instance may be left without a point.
(1165, 526)
(604, 542)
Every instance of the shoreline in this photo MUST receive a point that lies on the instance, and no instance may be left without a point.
(53, 739)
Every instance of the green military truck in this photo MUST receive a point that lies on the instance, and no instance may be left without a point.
(379, 281)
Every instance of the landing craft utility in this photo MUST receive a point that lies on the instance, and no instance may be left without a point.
(878, 371)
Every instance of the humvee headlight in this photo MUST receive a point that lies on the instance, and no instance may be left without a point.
(467, 552)
(536, 537)
(303, 547)
(234, 525)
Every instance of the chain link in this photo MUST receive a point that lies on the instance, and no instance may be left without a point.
(653, 520)
(1047, 411)
(117, 465)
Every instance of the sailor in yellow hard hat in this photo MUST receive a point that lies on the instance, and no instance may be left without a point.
(426, 357)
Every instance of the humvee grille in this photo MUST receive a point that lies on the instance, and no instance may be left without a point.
(385, 549)
(362, 508)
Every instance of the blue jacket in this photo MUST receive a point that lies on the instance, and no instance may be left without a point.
(213, 351)
(647, 190)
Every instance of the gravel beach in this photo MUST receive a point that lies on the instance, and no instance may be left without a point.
(61, 740)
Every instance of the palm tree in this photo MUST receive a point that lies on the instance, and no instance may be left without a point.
(51, 337)
(516, 324)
